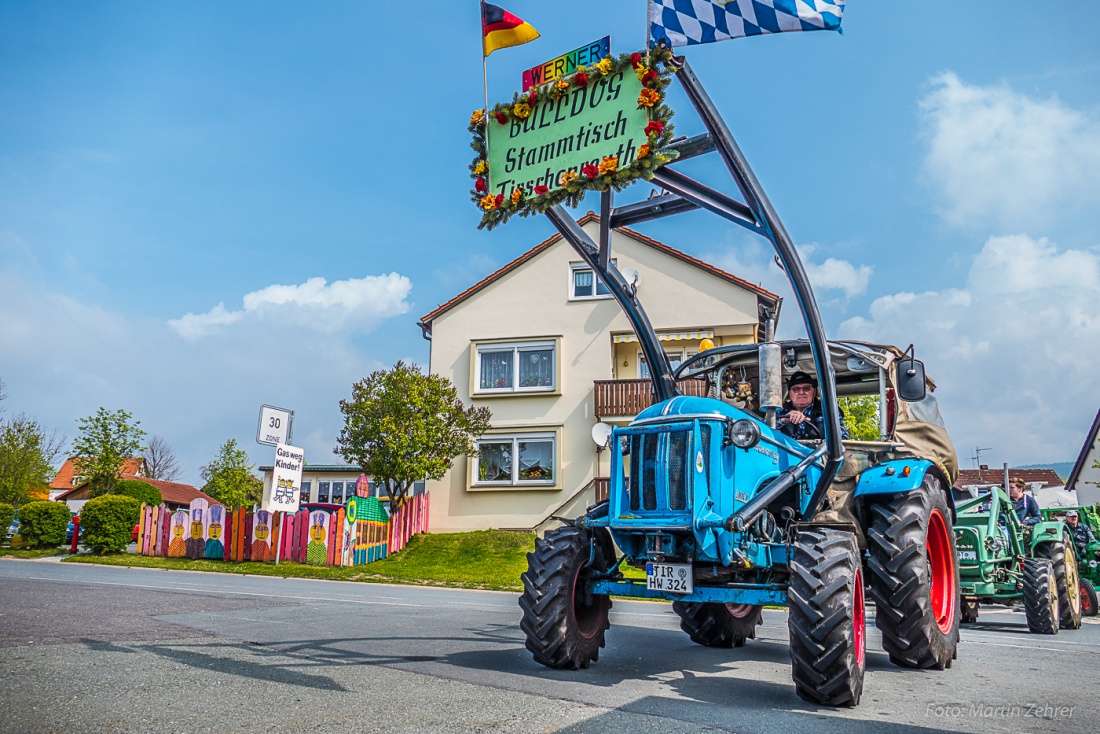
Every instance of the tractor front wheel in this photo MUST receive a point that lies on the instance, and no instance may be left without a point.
(915, 577)
(1063, 559)
(718, 625)
(564, 625)
(1088, 598)
(969, 611)
(1040, 596)
(826, 619)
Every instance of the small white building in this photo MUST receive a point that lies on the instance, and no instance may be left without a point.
(1084, 479)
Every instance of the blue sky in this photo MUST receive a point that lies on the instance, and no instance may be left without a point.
(209, 206)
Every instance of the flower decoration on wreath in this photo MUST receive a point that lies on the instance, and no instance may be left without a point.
(655, 73)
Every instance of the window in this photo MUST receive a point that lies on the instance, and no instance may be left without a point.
(522, 459)
(585, 284)
(674, 358)
(322, 491)
(515, 367)
(338, 492)
(306, 486)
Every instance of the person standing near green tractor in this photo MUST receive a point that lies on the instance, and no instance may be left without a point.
(1027, 509)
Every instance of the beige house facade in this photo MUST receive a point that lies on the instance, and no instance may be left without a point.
(543, 345)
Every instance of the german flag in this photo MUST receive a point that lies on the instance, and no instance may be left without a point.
(501, 29)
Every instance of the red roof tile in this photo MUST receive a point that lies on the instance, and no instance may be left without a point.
(173, 493)
(1048, 477)
(64, 477)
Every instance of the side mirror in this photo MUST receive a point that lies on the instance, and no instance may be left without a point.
(911, 382)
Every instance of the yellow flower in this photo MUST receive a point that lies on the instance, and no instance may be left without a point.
(517, 196)
(643, 151)
(641, 71)
(481, 167)
(488, 202)
(604, 65)
(476, 117)
(522, 110)
(567, 178)
(609, 164)
(648, 98)
(562, 85)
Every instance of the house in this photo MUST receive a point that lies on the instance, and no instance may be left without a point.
(176, 496)
(1085, 476)
(983, 477)
(324, 482)
(67, 477)
(544, 346)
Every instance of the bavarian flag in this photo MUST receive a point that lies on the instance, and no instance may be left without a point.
(501, 29)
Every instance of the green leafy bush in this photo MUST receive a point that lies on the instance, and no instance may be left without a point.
(7, 514)
(139, 490)
(106, 523)
(42, 524)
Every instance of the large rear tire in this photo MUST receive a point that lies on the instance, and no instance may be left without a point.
(1063, 558)
(564, 626)
(718, 625)
(1040, 596)
(1088, 598)
(826, 617)
(915, 577)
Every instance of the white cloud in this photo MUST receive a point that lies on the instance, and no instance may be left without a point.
(1014, 352)
(353, 305)
(834, 274)
(1003, 159)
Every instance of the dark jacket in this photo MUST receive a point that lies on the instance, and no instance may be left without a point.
(1081, 535)
(1027, 510)
(815, 416)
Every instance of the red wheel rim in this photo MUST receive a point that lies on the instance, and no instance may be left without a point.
(859, 619)
(1086, 605)
(941, 563)
(739, 611)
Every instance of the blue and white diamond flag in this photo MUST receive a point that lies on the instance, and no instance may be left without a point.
(688, 22)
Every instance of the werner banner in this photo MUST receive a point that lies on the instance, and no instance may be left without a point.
(567, 64)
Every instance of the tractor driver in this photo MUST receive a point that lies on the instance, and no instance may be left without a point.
(1080, 532)
(802, 416)
(1027, 509)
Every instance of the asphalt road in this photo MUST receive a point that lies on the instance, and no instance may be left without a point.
(107, 649)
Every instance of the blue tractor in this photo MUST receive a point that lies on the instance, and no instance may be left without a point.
(726, 513)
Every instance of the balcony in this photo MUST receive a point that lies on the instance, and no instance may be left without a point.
(630, 397)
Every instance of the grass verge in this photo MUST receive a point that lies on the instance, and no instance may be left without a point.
(486, 559)
(32, 552)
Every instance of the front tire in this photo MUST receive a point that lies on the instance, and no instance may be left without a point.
(1040, 596)
(915, 577)
(1063, 558)
(1088, 598)
(826, 618)
(969, 611)
(564, 627)
(718, 625)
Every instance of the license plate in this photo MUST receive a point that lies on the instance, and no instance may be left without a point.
(671, 577)
(968, 555)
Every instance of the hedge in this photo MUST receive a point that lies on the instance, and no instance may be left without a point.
(139, 490)
(107, 522)
(7, 514)
(43, 524)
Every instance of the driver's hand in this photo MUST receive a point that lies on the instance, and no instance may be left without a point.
(796, 417)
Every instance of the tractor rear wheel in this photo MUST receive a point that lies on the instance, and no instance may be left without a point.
(915, 577)
(718, 625)
(1040, 596)
(826, 619)
(565, 626)
(969, 611)
(1088, 598)
(1063, 557)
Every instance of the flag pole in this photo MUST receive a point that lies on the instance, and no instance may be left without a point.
(485, 86)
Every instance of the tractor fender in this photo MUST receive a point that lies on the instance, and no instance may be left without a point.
(892, 477)
(1046, 532)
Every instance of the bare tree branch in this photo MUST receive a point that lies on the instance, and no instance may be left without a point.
(160, 460)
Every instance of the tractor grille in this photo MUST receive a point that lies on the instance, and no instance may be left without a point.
(660, 470)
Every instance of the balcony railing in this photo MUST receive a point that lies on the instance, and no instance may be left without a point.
(603, 488)
(630, 397)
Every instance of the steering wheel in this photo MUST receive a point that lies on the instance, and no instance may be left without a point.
(813, 431)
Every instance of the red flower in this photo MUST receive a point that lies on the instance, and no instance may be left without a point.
(649, 76)
(655, 127)
(500, 200)
(502, 118)
(540, 190)
(590, 170)
(479, 185)
(532, 96)
(635, 59)
(580, 79)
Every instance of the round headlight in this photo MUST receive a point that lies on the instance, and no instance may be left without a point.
(1093, 564)
(744, 434)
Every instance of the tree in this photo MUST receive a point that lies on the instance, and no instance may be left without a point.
(861, 417)
(141, 491)
(27, 454)
(160, 460)
(229, 478)
(402, 426)
(105, 442)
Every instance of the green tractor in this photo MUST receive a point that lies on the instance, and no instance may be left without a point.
(1088, 563)
(1003, 561)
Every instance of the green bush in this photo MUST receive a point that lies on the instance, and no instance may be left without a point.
(42, 524)
(139, 490)
(7, 514)
(106, 523)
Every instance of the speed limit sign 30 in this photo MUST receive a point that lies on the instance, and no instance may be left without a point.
(274, 427)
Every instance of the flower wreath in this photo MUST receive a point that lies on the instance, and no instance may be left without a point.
(498, 209)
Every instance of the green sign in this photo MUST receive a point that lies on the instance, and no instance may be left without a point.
(584, 127)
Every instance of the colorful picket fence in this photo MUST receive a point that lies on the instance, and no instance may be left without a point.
(358, 533)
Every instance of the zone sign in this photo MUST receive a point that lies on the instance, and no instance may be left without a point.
(274, 427)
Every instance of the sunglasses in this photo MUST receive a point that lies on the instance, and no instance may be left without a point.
(802, 388)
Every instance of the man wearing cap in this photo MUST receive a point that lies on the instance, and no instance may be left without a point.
(1027, 509)
(1080, 532)
(802, 416)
